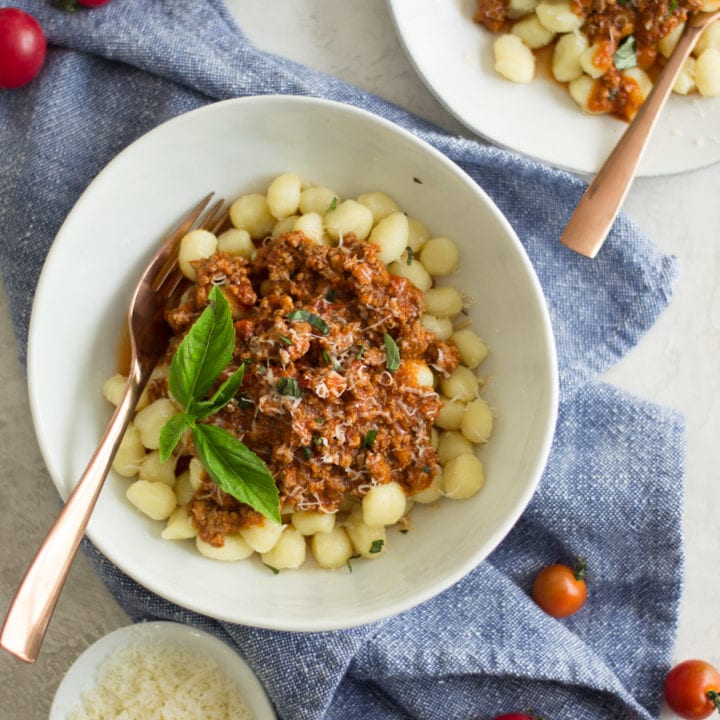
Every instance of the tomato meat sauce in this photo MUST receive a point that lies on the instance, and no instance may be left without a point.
(324, 402)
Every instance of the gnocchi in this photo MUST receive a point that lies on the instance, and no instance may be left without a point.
(368, 236)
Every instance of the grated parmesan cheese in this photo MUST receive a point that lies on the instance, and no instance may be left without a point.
(161, 680)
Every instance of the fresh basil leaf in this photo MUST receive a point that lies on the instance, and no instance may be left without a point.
(204, 352)
(392, 354)
(288, 386)
(370, 436)
(305, 316)
(237, 470)
(170, 434)
(333, 205)
(626, 56)
(224, 394)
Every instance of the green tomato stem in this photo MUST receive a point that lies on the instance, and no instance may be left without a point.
(714, 698)
(580, 569)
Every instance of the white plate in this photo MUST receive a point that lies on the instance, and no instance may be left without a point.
(82, 675)
(234, 147)
(454, 57)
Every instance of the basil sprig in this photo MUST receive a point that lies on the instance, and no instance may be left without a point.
(201, 357)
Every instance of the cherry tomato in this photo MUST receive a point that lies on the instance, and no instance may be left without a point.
(692, 689)
(515, 716)
(560, 590)
(23, 47)
(92, 3)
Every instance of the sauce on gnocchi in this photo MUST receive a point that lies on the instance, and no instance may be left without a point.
(607, 51)
(361, 390)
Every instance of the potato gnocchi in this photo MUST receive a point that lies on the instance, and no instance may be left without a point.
(607, 53)
(443, 397)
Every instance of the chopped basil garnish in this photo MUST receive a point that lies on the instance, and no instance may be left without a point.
(305, 316)
(626, 56)
(326, 357)
(370, 436)
(361, 351)
(409, 253)
(307, 452)
(392, 354)
(288, 386)
(202, 356)
(333, 205)
(377, 546)
(286, 339)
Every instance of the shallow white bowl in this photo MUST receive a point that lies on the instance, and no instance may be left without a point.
(238, 146)
(82, 675)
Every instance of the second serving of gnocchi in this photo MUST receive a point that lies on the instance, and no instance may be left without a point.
(356, 380)
(607, 51)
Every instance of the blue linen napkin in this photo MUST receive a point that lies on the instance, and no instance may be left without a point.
(612, 490)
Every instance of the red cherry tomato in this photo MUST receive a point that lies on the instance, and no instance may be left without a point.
(560, 590)
(514, 716)
(23, 47)
(92, 3)
(692, 689)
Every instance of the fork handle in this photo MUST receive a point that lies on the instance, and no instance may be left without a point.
(590, 224)
(32, 607)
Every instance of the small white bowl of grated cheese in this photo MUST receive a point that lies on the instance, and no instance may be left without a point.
(160, 669)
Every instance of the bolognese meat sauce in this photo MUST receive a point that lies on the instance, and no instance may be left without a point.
(322, 402)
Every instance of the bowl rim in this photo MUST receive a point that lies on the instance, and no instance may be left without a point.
(325, 622)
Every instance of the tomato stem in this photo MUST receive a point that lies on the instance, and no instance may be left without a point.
(66, 5)
(714, 698)
(580, 568)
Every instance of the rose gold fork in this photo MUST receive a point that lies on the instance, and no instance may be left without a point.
(590, 224)
(160, 285)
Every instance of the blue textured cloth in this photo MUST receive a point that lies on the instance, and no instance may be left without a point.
(613, 487)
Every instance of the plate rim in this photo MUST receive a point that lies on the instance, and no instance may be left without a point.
(543, 157)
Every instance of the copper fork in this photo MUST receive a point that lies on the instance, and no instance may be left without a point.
(592, 219)
(160, 285)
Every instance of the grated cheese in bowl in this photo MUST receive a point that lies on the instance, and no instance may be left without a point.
(161, 671)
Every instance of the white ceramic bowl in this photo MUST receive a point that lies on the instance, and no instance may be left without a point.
(238, 146)
(81, 677)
